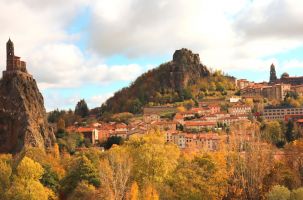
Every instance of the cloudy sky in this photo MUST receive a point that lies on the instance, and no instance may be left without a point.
(91, 48)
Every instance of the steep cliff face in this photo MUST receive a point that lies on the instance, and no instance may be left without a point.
(22, 115)
(170, 79)
(185, 69)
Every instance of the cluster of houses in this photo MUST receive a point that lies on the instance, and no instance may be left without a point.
(198, 127)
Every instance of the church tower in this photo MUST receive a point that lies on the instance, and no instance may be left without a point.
(10, 55)
(273, 75)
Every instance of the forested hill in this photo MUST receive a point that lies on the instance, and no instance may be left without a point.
(171, 82)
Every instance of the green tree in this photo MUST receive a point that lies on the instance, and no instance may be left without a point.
(81, 169)
(278, 193)
(272, 131)
(292, 132)
(70, 142)
(50, 178)
(134, 106)
(81, 108)
(111, 141)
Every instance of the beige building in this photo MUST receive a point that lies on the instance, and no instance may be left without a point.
(239, 110)
(198, 125)
(243, 83)
(206, 141)
(147, 118)
(277, 91)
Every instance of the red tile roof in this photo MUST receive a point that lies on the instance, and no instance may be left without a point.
(199, 123)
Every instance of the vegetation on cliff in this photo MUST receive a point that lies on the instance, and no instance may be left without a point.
(181, 79)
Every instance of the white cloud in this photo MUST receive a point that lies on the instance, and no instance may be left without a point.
(292, 64)
(97, 100)
(65, 66)
(228, 34)
(56, 100)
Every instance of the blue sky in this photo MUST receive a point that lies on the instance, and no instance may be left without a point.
(91, 48)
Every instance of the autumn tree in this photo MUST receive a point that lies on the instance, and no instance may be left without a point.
(150, 193)
(5, 173)
(202, 177)
(281, 174)
(294, 157)
(122, 117)
(115, 172)
(133, 193)
(297, 194)
(84, 191)
(61, 125)
(153, 159)
(26, 184)
(278, 193)
(249, 161)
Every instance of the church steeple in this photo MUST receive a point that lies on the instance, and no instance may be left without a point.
(273, 75)
(10, 55)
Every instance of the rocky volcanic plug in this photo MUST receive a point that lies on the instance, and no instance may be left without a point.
(22, 114)
(172, 78)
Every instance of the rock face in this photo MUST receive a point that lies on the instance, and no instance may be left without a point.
(185, 69)
(22, 114)
(170, 79)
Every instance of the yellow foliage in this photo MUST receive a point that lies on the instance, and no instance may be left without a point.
(181, 109)
(134, 191)
(5, 172)
(154, 160)
(150, 193)
(116, 171)
(84, 191)
(27, 189)
(56, 151)
(29, 169)
(61, 124)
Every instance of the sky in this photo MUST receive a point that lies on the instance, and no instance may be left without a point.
(89, 49)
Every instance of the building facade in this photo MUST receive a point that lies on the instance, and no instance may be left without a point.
(279, 113)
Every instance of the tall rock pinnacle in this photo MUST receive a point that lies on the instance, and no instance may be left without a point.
(22, 114)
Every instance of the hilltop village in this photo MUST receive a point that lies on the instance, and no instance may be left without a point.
(205, 124)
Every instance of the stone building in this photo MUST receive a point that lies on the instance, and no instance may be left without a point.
(272, 91)
(277, 91)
